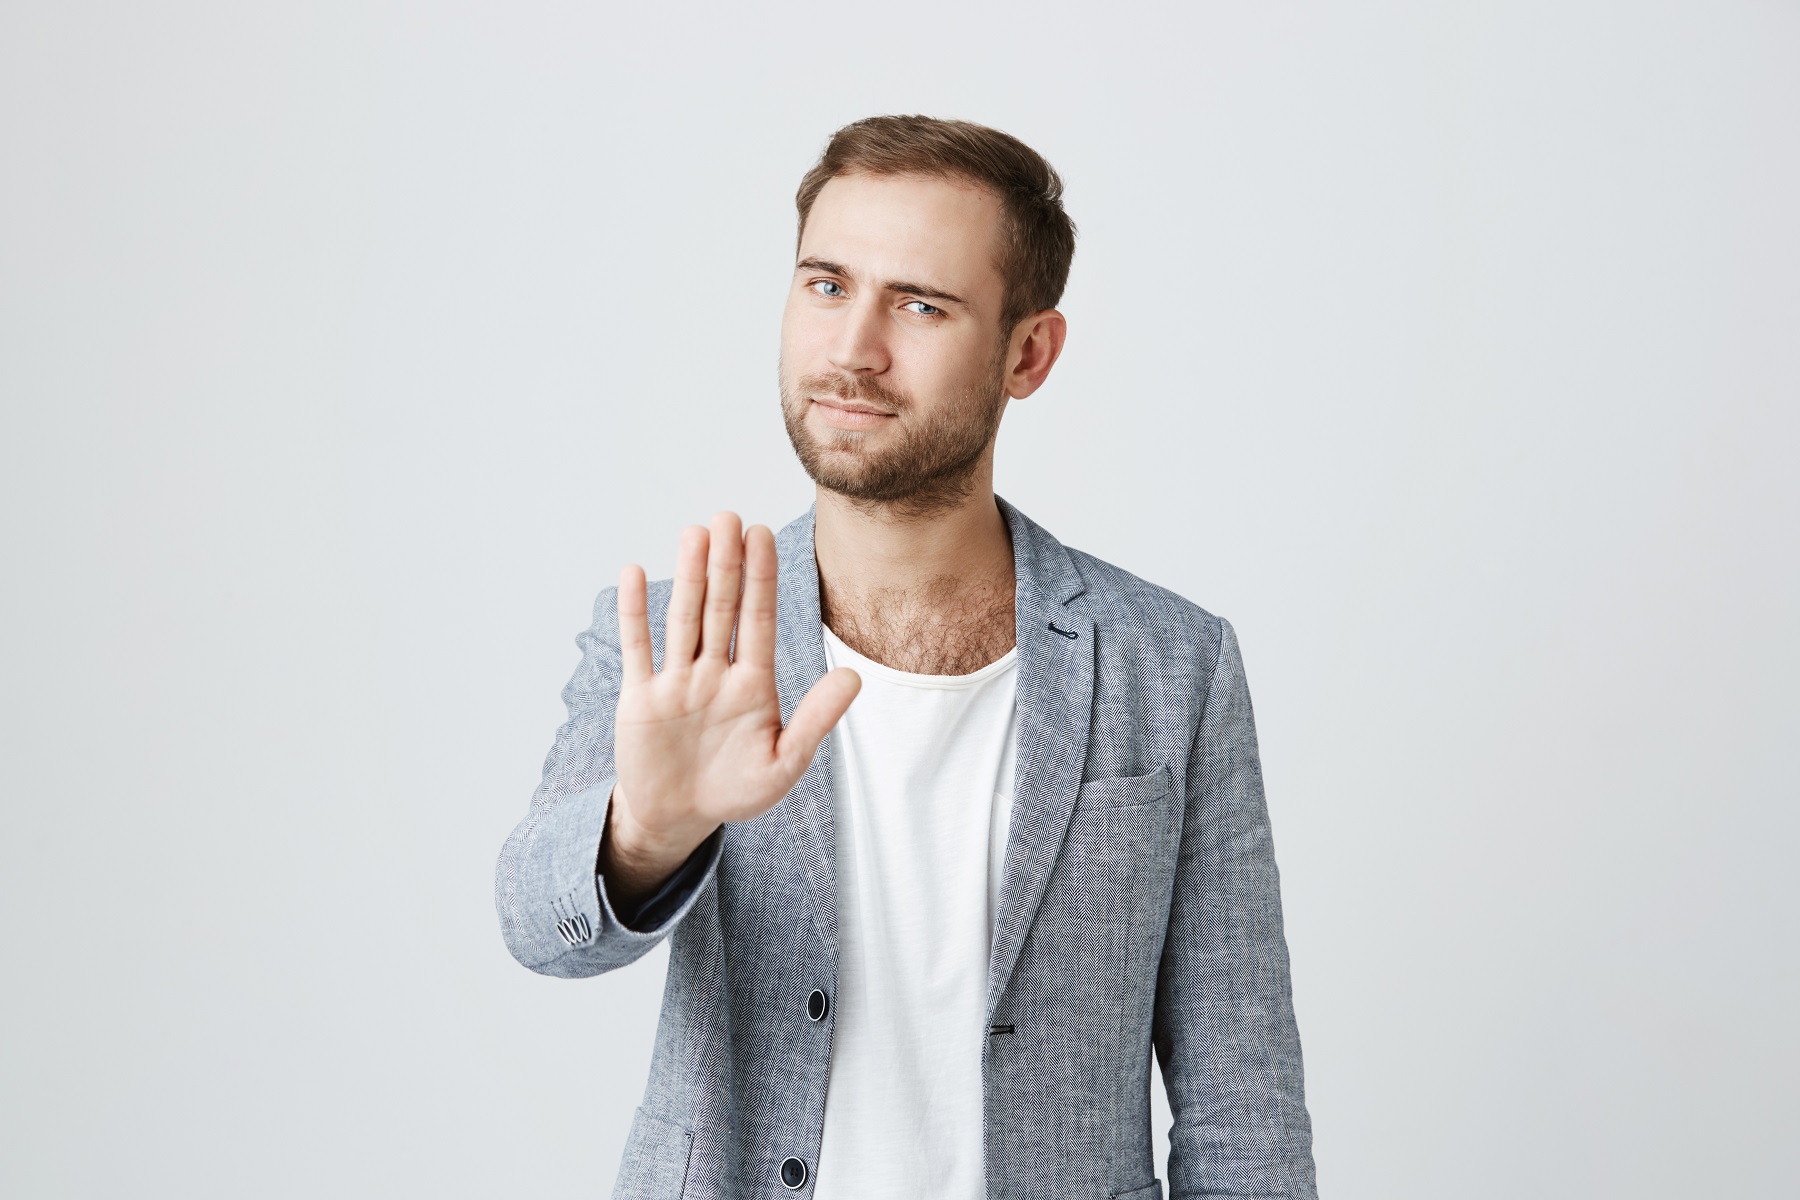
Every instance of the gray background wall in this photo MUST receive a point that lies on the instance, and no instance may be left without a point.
(347, 350)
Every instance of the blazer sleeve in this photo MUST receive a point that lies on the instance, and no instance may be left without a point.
(1224, 1026)
(555, 915)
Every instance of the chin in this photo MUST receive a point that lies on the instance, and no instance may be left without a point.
(830, 437)
(843, 466)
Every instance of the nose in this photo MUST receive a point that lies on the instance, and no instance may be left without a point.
(861, 346)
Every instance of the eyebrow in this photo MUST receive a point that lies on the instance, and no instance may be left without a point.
(892, 285)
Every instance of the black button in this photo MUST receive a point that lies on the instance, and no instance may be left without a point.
(793, 1170)
(817, 1005)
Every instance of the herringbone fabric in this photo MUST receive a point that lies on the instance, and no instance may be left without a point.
(1140, 906)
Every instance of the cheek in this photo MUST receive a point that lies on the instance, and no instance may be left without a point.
(804, 335)
(950, 367)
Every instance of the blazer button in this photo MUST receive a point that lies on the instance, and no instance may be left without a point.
(817, 1005)
(793, 1171)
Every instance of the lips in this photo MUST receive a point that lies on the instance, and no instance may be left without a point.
(850, 414)
(855, 406)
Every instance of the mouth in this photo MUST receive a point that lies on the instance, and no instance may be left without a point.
(850, 414)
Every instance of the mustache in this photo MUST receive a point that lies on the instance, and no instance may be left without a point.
(867, 391)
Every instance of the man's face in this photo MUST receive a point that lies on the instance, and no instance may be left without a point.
(892, 363)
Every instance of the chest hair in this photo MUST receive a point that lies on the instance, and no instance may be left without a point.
(945, 627)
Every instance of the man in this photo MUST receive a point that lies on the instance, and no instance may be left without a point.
(948, 824)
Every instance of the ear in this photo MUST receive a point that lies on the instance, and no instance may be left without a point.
(1032, 350)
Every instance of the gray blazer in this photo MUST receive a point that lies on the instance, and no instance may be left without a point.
(1139, 907)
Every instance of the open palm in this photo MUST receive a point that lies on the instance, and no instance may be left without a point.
(700, 742)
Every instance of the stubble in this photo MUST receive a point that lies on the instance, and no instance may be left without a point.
(928, 467)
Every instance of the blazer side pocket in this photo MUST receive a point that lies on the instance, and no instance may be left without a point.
(1153, 1192)
(656, 1159)
(1126, 791)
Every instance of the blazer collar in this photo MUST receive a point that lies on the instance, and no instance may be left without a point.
(1055, 700)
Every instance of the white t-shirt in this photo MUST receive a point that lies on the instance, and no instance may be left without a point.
(922, 769)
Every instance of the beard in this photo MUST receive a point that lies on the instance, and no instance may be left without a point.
(930, 460)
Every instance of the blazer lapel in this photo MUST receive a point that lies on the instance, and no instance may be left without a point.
(1055, 702)
(1055, 696)
(800, 663)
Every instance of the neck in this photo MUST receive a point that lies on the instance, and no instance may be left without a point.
(926, 592)
(878, 560)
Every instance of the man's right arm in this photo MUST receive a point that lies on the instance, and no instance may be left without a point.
(556, 915)
(667, 741)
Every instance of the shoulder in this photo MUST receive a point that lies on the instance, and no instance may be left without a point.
(1156, 657)
(1151, 626)
(1133, 604)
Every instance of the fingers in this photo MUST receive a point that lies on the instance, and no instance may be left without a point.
(819, 710)
(724, 567)
(681, 629)
(634, 625)
(756, 615)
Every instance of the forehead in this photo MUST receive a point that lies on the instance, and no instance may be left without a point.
(944, 232)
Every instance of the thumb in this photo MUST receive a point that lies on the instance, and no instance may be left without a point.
(818, 711)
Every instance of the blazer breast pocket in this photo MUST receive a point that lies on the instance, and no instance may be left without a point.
(1123, 831)
(1126, 791)
(1102, 919)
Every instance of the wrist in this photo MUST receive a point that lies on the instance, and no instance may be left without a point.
(635, 858)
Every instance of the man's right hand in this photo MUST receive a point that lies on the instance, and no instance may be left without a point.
(700, 742)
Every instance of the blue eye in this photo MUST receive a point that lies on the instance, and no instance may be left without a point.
(923, 309)
(819, 285)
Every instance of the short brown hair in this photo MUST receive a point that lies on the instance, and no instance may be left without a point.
(1038, 238)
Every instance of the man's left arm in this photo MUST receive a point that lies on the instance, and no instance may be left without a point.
(1224, 1026)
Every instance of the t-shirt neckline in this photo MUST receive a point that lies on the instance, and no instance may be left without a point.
(861, 663)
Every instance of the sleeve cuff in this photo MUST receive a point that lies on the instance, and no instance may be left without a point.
(555, 914)
(655, 909)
